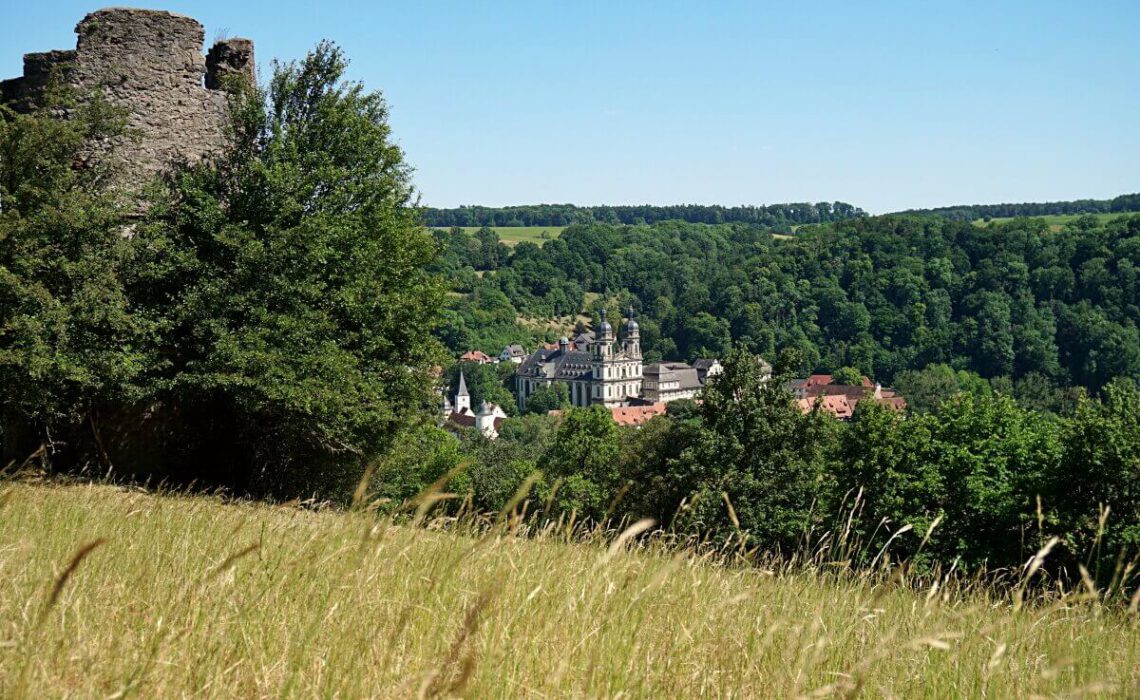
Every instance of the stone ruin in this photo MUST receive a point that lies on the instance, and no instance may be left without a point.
(149, 62)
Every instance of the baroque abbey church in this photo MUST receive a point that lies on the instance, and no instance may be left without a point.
(608, 372)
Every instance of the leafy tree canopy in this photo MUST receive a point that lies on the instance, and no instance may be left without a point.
(268, 325)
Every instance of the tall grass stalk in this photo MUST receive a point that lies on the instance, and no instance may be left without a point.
(194, 596)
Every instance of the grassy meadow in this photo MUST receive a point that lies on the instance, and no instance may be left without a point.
(114, 592)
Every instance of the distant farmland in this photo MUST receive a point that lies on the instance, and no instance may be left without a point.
(512, 235)
(1055, 221)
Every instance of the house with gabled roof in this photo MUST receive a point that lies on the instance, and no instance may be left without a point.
(513, 353)
(669, 381)
(840, 400)
(477, 356)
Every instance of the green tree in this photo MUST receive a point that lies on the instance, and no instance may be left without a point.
(417, 460)
(706, 336)
(993, 459)
(926, 389)
(548, 398)
(683, 409)
(847, 375)
(759, 450)
(1101, 469)
(287, 280)
(70, 340)
(887, 458)
(654, 466)
(991, 334)
(584, 458)
(979, 463)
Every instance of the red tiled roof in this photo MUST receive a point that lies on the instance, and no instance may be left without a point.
(825, 379)
(837, 405)
(895, 403)
(636, 415)
(475, 356)
(843, 407)
(851, 392)
(467, 421)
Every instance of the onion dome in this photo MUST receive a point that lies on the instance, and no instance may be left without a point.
(604, 328)
(631, 326)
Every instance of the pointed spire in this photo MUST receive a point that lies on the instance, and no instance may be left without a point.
(462, 385)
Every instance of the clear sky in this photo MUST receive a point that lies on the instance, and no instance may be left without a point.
(886, 105)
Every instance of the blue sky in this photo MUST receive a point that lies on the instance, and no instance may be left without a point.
(886, 105)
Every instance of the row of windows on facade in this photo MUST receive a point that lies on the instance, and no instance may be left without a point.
(626, 372)
(619, 390)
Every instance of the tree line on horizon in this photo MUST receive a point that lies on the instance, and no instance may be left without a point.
(780, 217)
(1125, 203)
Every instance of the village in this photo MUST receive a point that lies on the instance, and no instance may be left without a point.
(604, 368)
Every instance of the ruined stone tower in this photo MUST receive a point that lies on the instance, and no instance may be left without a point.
(149, 62)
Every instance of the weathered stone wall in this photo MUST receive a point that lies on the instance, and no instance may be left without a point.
(21, 92)
(149, 62)
(229, 59)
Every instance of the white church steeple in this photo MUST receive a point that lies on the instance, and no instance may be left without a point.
(462, 398)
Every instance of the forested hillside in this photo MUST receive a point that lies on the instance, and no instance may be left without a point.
(884, 294)
(776, 216)
(973, 212)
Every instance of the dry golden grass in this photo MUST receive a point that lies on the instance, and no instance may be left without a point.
(192, 597)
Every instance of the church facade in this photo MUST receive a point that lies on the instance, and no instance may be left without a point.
(608, 372)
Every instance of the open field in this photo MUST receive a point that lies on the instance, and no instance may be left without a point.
(512, 235)
(190, 597)
(1055, 221)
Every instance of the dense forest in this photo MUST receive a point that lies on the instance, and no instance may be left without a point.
(885, 295)
(973, 212)
(775, 216)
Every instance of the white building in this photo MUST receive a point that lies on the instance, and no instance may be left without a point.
(513, 353)
(487, 420)
(669, 381)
